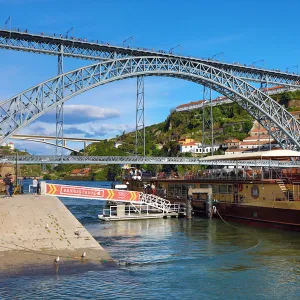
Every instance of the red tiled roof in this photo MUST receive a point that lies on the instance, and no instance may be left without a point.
(254, 143)
(190, 144)
(274, 88)
(257, 137)
(190, 104)
(232, 141)
(261, 129)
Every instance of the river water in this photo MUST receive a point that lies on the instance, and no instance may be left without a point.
(174, 259)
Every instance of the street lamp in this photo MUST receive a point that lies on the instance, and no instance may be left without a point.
(8, 19)
(16, 151)
(130, 38)
(296, 66)
(255, 62)
(71, 29)
(179, 45)
(220, 53)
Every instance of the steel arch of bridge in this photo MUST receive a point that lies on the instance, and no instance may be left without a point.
(22, 109)
(51, 144)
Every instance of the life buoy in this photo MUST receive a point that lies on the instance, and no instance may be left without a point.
(240, 187)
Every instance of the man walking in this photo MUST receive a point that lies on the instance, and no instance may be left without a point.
(7, 183)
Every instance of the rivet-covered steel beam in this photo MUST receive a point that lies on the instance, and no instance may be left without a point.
(22, 109)
(55, 159)
(81, 48)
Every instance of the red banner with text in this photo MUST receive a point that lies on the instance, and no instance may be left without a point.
(91, 193)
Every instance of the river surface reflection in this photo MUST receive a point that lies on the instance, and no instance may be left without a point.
(174, 259)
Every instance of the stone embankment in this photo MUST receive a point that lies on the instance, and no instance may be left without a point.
(37, 230)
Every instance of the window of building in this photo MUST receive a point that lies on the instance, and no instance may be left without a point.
(215, 189)
(223, 189)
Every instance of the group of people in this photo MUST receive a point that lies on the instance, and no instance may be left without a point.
(136, 174)
(8, 181)
(9, 185)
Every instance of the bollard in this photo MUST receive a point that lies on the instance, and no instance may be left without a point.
(209, 209)
(188, 214)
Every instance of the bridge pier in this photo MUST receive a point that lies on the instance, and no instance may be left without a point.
(140, 116)
(207, 120)
(60, 107)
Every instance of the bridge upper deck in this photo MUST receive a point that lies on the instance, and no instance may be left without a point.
(95, 50)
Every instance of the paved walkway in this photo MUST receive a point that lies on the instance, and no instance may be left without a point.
(34, 230)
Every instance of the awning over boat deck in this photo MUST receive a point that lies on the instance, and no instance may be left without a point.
(273, 155)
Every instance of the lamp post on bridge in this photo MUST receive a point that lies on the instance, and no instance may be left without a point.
(71, 29)
(255, 62)
(16, 151)
(220, 53)
(296, 66)
(8, 19)
(179, 46)
(130, 38)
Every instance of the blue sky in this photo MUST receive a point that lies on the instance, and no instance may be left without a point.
(245, 31)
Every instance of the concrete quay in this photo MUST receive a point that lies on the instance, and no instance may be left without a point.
(35, 230)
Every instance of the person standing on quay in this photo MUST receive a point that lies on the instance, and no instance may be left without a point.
(11, 185)
(7, 182)
(34, 186)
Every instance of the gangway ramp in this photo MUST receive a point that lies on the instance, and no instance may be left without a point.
(156, 207)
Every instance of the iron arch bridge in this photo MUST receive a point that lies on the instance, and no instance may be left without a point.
(20, 110)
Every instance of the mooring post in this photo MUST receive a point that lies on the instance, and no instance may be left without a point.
(209, 210)
(189, 199)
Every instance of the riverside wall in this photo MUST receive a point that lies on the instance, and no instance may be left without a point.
(35, 230)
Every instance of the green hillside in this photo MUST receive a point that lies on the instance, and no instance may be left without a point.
(230, 121)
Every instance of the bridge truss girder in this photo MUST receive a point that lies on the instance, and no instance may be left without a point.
(21, 41)
(25, 107)
(55, 159)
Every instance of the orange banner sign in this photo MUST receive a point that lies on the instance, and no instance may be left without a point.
(91, 193)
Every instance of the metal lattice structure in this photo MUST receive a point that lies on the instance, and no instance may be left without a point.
(207, 120)
(55, 159)
(140, 117)
(155, 201)
(60, 108)
(83, 49)
(20, 110)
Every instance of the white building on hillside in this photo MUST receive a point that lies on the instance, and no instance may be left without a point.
(196, 148)
(10, 145)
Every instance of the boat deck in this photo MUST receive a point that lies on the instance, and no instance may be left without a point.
(139, 216)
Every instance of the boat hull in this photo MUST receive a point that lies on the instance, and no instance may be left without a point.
(255, 215)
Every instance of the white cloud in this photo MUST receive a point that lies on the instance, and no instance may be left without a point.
(82, 113)
(89, 129)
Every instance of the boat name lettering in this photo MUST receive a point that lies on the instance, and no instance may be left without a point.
(80, 191)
